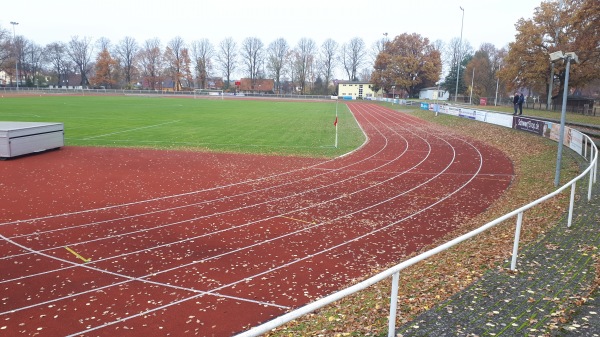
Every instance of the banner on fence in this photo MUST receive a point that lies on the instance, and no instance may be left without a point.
(572, 139)
(529, 125)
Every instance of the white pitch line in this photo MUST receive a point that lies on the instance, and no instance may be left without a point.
(130, 130)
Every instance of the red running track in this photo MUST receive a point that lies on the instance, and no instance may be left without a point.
(105, 242)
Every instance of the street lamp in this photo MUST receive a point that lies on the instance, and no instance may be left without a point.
(459, 53)
(16, 51)
(383, 49)
(568, 57)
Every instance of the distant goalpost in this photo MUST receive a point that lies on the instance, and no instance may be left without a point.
(208, 93)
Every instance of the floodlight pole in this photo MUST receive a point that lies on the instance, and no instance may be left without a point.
(472, 82)
(549, 100)
(459, 53)
(13, 23)
(496, 99)
(561, 136)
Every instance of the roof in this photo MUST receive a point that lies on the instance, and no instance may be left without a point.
(264, 85)
(353, 82)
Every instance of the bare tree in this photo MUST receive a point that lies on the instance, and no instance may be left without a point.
(305, 55)
(276, 58)
(103, 43)
(252, 56)
(80, 52)
(151, 62)
(353, 54)
(125, 52)
(55, 53)
(440, 46)
(482, 70)
(202, 53)
(454, 54)
(5, 49)
(32, 62)
(226, 57)
(327, 58)
(175, 57)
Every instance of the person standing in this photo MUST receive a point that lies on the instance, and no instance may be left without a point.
(521, 100)
(516, 99)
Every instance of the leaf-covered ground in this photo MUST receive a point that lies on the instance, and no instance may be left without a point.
(435, 280)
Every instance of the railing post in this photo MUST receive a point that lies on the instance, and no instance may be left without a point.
(585, 149)
(393, 304)
(596, 167)
(590, 185)
(571, 204)
(513, 264)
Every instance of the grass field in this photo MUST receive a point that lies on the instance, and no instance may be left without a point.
(243, 126)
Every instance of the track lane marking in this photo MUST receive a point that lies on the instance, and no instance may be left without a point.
(77, 254)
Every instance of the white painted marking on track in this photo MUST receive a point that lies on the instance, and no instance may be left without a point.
(310, 255)
(287, 264)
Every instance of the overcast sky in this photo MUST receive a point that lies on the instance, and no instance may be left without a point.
(46, 21)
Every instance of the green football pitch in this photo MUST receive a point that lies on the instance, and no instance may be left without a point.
(229, 125)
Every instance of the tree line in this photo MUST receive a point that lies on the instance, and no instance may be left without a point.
(403, 64)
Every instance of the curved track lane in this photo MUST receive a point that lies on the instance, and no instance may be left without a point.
(234, 249)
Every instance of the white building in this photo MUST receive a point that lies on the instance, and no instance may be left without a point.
(434, 93)
(356, 90)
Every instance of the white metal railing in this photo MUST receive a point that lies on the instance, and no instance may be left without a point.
(394, 271)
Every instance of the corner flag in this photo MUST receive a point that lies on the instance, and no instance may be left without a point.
(335, 123)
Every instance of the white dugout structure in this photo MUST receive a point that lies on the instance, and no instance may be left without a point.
(21, 138)
(574, 139)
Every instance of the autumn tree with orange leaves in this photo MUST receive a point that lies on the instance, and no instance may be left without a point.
(571, 28)
(408, 62)
(105, 70)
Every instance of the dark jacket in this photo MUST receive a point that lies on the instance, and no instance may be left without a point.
(516, 99)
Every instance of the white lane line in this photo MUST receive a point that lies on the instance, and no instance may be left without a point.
(388, 225)
(303, 258)
(127, 280)
(221, 213)
(258, 243)
(249, 181)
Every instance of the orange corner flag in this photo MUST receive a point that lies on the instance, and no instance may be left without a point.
(335, 123)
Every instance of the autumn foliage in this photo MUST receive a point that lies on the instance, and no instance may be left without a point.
(571, 28)
(408, 62)
(106, 69)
